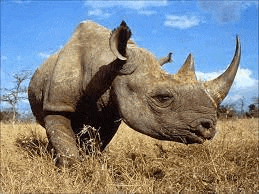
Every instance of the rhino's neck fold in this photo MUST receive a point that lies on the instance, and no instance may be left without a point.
(100, 81)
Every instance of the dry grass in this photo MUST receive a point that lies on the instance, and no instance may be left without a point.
(134, 163)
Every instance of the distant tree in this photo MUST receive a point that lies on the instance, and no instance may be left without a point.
(226, 111)
(7, 115)
(14, 95)
(253, 109)
(242, 105)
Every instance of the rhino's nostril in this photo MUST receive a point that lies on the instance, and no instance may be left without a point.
(206, 124)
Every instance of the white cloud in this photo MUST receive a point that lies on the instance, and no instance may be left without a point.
(233, 98)
(98, 13)
(3, 58)
(137, 5)
(47, 54)
(225, 10)
(147, 12)
(44, 55)
(208, 76)
(242, 80)
(142, 7)
(22, 1)
(244, 86)
(182, 22)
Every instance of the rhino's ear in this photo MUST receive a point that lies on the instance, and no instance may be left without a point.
(119, 39)
(164, 60)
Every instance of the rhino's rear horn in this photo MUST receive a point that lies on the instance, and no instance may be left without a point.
(118, 40)
(187, 71)
(219, 87)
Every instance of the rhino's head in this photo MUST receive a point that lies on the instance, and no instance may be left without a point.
(167, 107)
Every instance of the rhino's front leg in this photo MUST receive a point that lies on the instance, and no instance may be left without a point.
(62, 138)
(106, 135)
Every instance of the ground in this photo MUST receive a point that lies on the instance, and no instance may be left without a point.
(134, 163)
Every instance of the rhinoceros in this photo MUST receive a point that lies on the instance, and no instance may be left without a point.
(101, 77)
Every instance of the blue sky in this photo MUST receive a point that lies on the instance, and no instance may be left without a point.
(33, 30)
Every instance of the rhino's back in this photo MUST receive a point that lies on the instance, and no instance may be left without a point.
(59, 82)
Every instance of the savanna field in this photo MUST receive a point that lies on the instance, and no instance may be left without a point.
(134, 163)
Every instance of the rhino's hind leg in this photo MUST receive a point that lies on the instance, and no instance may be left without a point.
(62, 138)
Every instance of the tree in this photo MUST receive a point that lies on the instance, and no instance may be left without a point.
(14, 95)
(226, 111)
(253, 108)
(6, 115)
(242, 105)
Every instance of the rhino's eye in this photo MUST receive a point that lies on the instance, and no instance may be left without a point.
(163, 100)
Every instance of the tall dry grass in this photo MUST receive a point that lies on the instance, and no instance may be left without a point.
(134, 163)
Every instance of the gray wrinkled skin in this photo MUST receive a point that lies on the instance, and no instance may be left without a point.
(101, 77)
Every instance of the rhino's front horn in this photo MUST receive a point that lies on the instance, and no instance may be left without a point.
(187, 71)
(219, 87)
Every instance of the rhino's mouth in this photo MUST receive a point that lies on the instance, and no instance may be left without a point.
(199, 135)
(194, 137)
(185, 136)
